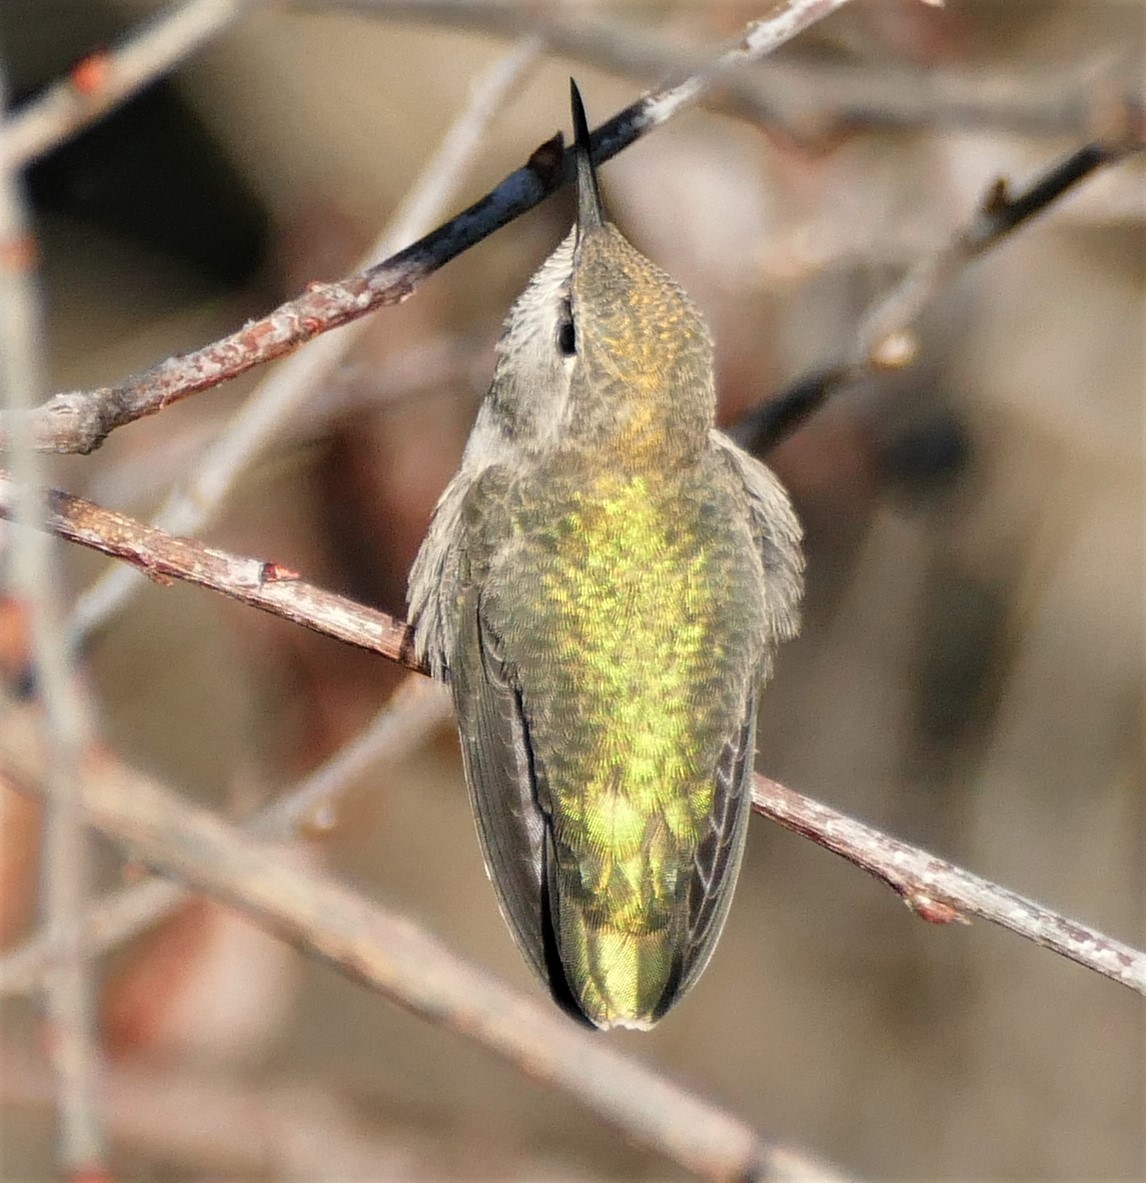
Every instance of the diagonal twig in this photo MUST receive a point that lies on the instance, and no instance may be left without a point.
(885, 339)
(398, 728)
(107, 78)
(936, 890)
(942, 893)
(811, 102)
(80, 421)
(267, 411)
(269, 586)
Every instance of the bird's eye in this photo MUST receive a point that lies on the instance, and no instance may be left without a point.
(566, 334)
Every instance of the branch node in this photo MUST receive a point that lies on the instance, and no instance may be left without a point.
(930, 908)
(546, 160)
(997, 199)
(155, 572)
(895, 351)
(90, 74)
(277, 573)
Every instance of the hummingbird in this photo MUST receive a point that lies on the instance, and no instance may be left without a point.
(603, 585)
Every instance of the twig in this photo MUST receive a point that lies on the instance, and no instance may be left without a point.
(33, 579)
(936, 890)
(79, 421)
(417, 709)
(1000, 214)
(940, 892)
(821, 100)
(810, 102)
(885, 339)
(620, 48)
(215, 1126)
(269, 586)
(391, 954)
(270, 406)
(439, 366)
(107, 78)
(400, 727)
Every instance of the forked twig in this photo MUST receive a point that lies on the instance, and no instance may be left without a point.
(267, 412)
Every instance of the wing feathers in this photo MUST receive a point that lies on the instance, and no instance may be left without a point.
(499, 770)
(716, 863)
(777, 533)
(507, 784)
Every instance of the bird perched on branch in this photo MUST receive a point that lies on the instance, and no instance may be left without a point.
(603, 585)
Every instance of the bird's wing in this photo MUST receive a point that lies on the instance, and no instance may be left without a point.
(436, 579)
(502, 778)
(454, 638)
(717, 860)
(777, 533)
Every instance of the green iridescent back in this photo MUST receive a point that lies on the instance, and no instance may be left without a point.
(603, 585)
(636, 653)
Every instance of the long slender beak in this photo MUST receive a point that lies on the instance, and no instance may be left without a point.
(590, 212)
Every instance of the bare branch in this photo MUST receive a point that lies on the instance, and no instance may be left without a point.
(885, 340)
(438, 366)
(33, 579)
(80, 421)
(399, 728)
(812, 102)
(269, 586)
(936, 890)
(1000, 214)
(940, 892)
(270, 406)
(392, 955)
(108, 78)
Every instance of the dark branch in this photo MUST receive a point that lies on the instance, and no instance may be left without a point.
(80, 421)
(884, 340)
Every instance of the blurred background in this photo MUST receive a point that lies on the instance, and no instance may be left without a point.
(969, 676)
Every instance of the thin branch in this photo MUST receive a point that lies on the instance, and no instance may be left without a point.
(79, 421)
(270, 587)
(620, 48)
(885, 339)
(821, 100)
(398, 729)
(1001, 212)
(936, 890)
(812, 102)
(32, 578)
(439, 366)
(107, 78)
(207, 1124)
(940, 892)
(270, 406)
(394, 956)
